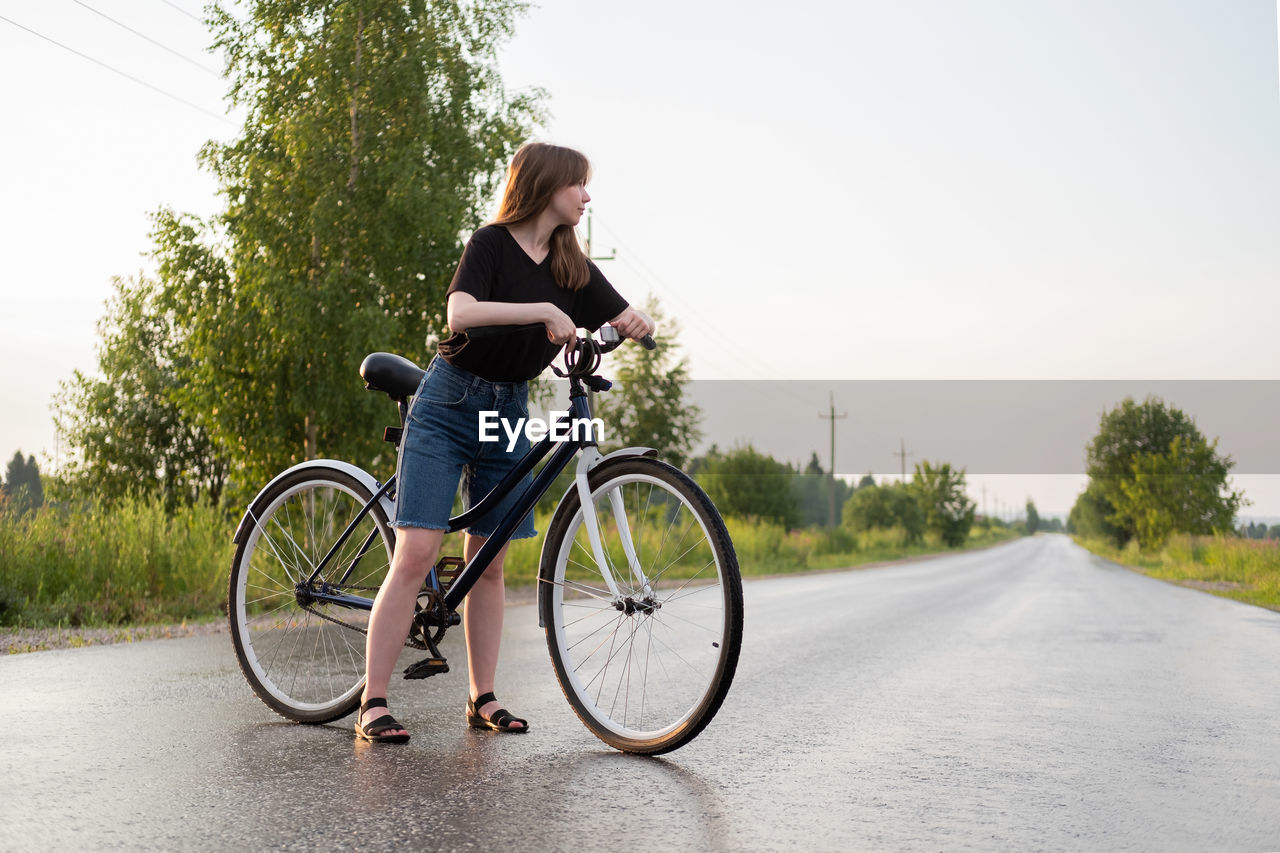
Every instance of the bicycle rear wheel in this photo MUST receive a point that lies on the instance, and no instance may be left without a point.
(647, 672)
(300, 662)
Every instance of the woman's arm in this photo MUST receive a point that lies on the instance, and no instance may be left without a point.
(465, 311)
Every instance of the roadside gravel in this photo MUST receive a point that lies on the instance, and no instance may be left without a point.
(14, 642)
(44, 639)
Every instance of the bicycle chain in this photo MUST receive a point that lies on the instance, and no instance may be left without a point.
(409, 641)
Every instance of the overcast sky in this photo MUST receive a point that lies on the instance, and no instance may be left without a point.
(1031, 189)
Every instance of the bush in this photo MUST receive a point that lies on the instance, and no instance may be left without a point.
(940, 492)
(86, 564)
(749, 484)
(882, 508)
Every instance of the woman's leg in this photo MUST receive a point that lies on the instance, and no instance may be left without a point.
(392, 615)
(482, 622)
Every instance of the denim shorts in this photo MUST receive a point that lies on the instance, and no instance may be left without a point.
(441, 447)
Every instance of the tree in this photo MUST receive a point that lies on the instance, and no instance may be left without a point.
(1151, 473)
(750, 484)
(884, 507)
(812, 486)
(374, 136)
(1177, 491)
(647, 406)
(948, 511)
(129, 435)
(1252, 530)
(22, 489)
(1033, 517)
(867, 480)
(1089, 516)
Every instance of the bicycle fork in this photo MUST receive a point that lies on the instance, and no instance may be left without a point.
(589, 459)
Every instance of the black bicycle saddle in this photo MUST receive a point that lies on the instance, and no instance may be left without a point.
(393, 375)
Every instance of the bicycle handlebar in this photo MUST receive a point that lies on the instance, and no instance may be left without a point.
(478, 332)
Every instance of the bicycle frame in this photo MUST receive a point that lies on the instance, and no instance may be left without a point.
(580, 409)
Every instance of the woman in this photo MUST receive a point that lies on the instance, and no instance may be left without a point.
(526, 267)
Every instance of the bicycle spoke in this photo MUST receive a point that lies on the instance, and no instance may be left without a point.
(715, 632)
(589, 591)
(648, 651)
(694, 585)
(691, 579)
(609, 659)
(288, 603)
(595, 611)
(692, 524)
(300, 659)
(602, 642)
(677, 655)
(646, 671)
(631, 644)
(603, 627)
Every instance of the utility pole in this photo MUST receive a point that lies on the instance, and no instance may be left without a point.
(831, 475)
(902, 456)
(609, 257)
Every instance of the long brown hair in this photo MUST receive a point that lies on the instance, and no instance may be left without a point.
(537, 171)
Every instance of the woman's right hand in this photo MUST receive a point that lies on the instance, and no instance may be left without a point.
(560, 329)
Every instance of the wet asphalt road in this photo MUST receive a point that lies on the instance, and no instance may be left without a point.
(1026, 697)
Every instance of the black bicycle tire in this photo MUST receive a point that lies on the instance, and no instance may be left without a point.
(290, 481)
(723, 545)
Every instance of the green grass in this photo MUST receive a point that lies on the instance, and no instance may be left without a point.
(1246, 570)
(87, 566)
(769, 549)
(766, 549)
(132, 564)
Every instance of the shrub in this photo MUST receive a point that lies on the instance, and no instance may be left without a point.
(882, 508)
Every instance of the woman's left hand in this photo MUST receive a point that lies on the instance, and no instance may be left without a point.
(633, 324)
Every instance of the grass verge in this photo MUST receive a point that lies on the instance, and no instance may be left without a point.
(86, 565)
(88, 574)
(769, 549)
(1245, 570)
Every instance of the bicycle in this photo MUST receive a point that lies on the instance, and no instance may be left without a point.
(638, 585)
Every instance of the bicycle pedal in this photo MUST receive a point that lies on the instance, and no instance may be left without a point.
(447, 568)
(426, 668)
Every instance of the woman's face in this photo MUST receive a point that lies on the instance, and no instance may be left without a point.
(568, 203)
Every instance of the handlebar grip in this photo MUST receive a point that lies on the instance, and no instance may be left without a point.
(648, 343)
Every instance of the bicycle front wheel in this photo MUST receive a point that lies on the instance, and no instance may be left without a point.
(305, 658)
(645, 670)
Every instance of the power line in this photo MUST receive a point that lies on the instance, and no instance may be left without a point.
(182, 10)
(123, 74)
(145, 37)
(738, 353)
(725, 341)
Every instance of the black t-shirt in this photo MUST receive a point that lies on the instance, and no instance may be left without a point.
(494, 268)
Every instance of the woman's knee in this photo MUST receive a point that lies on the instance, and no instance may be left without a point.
(492, 573)
(415, 551)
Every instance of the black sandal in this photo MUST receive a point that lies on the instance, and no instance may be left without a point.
(373, 731)
(499, 721)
